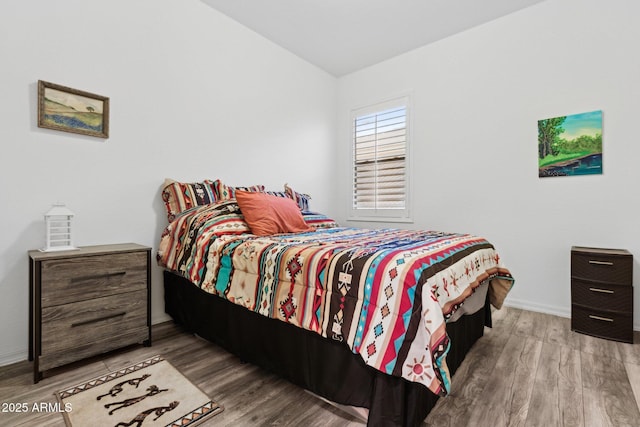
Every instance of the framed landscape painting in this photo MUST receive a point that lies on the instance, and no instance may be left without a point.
(71, 110)
(570, 145)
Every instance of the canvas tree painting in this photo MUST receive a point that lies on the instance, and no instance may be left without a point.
(570, 145)
(71, 110)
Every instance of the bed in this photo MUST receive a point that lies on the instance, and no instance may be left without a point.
(369, 318)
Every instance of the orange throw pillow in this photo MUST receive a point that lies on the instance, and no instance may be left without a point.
(267, 214)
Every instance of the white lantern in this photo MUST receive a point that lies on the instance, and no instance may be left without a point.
(59, 236)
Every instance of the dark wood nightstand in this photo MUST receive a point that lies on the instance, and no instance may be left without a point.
(87, 301)
(602, 293)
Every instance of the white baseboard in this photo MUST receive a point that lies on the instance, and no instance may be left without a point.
(546, 309)
(13, 356)
(539, 308)
(161, 318)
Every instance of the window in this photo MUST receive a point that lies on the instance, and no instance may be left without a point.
(380, 161)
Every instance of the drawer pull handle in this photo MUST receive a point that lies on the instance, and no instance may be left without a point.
(604, 319)
(99, 276)
(593, 261)
(602, 291)
(99, 319)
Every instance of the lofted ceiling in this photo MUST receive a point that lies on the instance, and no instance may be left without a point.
(342, 36)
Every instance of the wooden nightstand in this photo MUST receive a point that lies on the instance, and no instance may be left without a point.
(602, 293)
(86, 302)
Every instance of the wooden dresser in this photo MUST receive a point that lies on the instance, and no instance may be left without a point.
(86, 302)
(602, 293)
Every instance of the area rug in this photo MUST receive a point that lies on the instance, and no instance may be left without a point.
(148, 394)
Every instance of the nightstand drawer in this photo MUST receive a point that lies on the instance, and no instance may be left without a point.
(85, 277)
(603, 296)
(610, 266)
(87, 301)
(602, 324)
(69, 326)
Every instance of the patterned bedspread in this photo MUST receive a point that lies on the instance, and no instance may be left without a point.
(385, 293)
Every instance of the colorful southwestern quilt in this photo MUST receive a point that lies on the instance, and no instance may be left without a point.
(385, 293)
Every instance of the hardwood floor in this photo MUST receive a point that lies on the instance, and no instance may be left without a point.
(529, 370)
(532, 370)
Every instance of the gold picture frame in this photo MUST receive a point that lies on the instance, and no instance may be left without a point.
(71, 110)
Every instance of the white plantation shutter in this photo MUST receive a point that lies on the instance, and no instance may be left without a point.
(380, 147)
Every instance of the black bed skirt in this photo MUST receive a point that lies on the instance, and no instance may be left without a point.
(325, 367)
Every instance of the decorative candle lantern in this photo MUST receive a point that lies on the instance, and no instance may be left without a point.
(59, 236)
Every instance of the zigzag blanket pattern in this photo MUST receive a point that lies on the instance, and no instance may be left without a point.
(385, 293)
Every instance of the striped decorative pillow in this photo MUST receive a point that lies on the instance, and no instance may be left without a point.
(223, 191)
(180, 196)
(278, 194)
(301, 199)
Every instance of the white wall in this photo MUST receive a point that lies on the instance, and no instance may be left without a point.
(193, 95)
(477, 97)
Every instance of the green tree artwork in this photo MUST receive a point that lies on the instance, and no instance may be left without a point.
(570, 145)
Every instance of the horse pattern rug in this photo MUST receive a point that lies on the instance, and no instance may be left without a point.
(147, 394)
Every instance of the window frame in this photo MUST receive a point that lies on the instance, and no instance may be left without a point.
(376, 214)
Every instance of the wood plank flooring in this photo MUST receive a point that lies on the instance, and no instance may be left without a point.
(529, 370)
